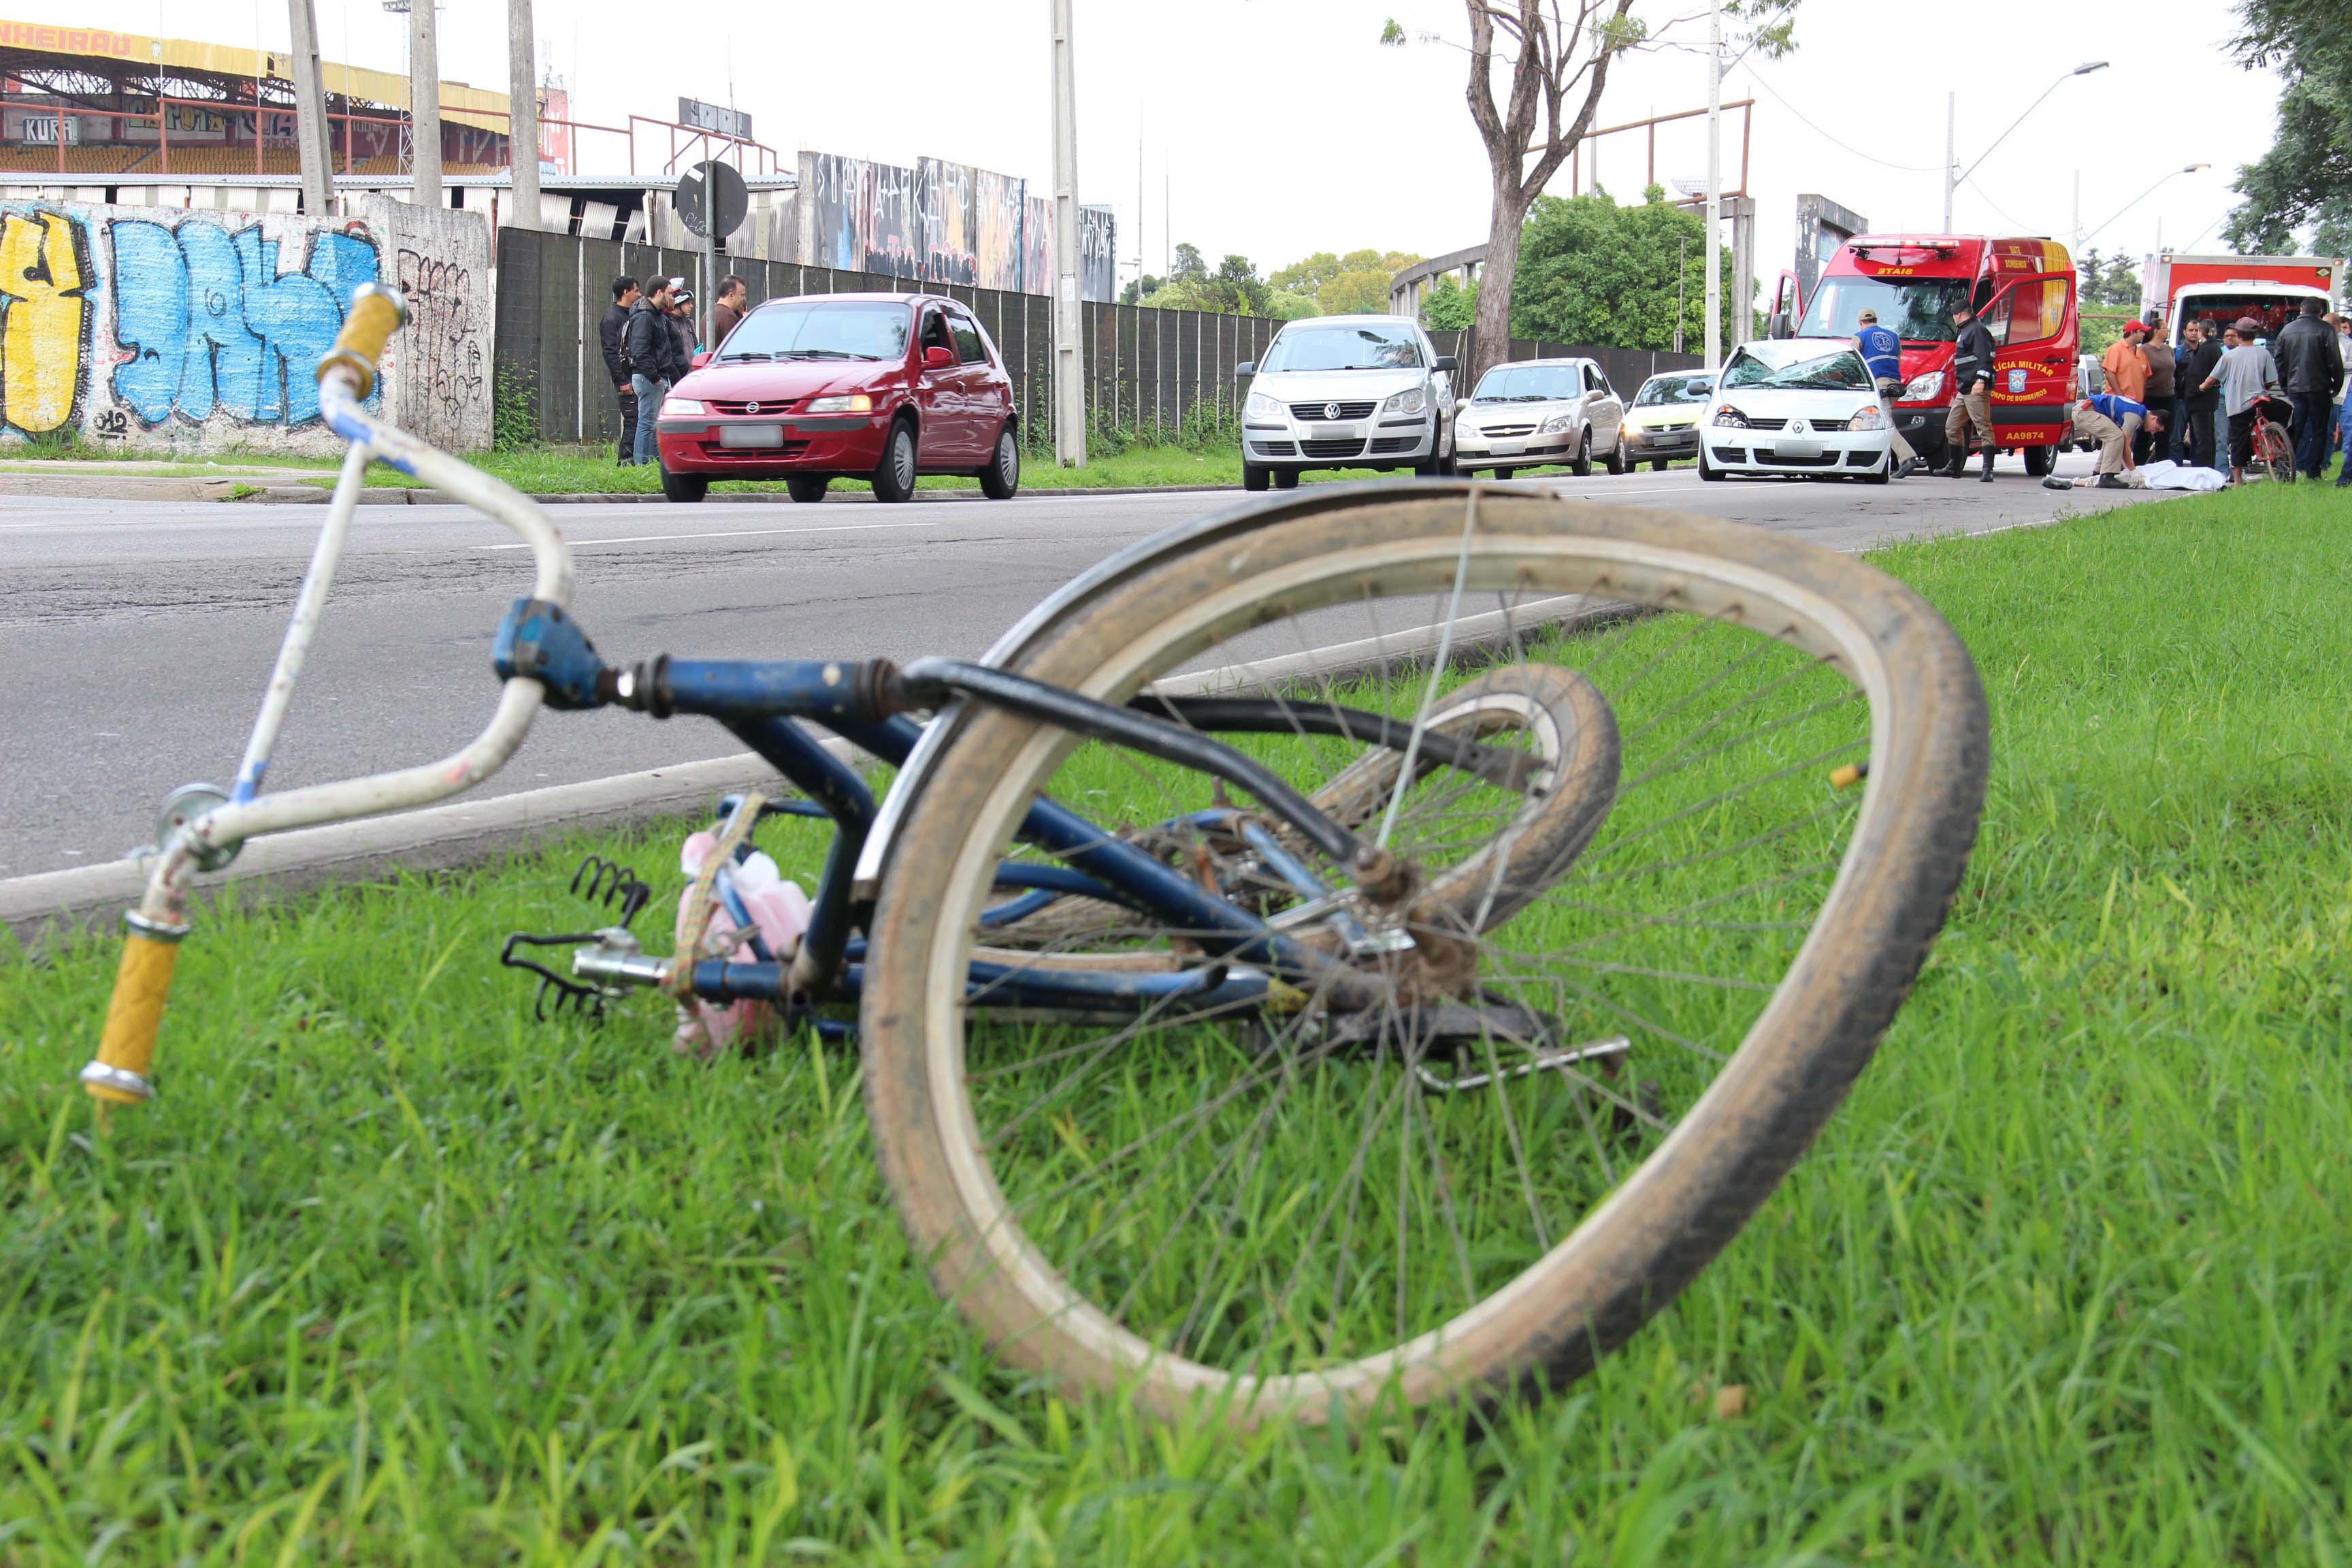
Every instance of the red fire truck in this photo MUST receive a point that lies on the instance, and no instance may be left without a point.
(2219, 289)
(2023, 291)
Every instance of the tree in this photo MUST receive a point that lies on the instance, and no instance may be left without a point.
(2304, 180)
(1449, 306)
(2108, 292)
(1234, 288)
(1136, 288)
(1559, 57)
(1592, 272)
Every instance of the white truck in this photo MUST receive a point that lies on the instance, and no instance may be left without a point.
(2221, 289)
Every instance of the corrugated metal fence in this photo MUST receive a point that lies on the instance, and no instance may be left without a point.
(1151, 372)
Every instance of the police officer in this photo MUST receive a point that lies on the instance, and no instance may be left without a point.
(1972, 358)
(1882, 353)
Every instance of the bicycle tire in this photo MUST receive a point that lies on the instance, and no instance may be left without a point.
(1671, 1213)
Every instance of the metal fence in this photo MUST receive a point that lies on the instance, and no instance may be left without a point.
(1150, 372)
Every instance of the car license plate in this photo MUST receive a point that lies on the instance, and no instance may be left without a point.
(1506, 449)
(1336, 433)
(751, 435)
(1789, 452)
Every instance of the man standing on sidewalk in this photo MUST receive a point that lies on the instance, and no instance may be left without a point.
(1972, 358)
(2311, 368)
(652, 351)
(1882, 351)
(611, 333)
(727, 310)
(2126, 362)
(2245, 373)
(2197, 401)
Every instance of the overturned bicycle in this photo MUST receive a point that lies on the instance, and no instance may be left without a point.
(1379, 943)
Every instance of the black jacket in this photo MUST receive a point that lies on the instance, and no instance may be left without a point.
(651, 347)
(2309, 357)
(2195, 365)
(609, 334)
(1972, 357)
(681, 331)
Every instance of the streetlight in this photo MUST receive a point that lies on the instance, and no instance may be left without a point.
(1952, 181)
(2127, 206)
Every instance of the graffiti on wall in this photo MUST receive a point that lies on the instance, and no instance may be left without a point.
(162, 329)
(44, 274)
(941, 223)
(444, 350)
(206, 321)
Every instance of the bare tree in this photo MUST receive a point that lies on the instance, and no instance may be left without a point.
(1558, 55)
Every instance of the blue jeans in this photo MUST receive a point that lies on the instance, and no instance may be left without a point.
(2312, 410)
(649, 395)
(2175, 430)
(2221, 438)
(2344, 475)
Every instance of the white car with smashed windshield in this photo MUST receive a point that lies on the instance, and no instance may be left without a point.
(1347, 392)
(1799, 407)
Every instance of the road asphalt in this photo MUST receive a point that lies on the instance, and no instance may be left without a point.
(137, 636)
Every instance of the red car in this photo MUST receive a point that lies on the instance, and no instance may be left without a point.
(880, 388)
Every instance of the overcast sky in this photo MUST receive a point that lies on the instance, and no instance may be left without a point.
(1276, 128)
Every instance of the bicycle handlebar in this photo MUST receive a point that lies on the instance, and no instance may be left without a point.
(376, 314)
(347, 375)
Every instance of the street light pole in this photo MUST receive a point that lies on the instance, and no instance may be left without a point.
(2190, 169)
(1069, 387)
(310, 136)
(1714, 184)
(1952, 181)
(523, 115)
(424, 105)
(1951, 160)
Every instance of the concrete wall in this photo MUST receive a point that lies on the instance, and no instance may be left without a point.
(165, 330)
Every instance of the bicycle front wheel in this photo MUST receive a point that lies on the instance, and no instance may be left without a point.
(1290, 1205)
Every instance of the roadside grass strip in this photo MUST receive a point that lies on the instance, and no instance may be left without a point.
(392, 1274)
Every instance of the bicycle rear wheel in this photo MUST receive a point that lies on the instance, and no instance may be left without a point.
(1294, 1207)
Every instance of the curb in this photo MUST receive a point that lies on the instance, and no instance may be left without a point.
(436, 838)
(441, 837)
(117, 487)
(402, 495)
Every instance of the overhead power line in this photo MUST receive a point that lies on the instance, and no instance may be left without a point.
(1758, 77)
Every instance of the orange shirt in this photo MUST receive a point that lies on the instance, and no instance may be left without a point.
(2126, 368)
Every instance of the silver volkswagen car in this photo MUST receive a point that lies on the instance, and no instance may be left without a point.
(1347, 392)
(1532, 411)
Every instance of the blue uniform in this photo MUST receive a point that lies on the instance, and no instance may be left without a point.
(2118, 408)
(1882, 350)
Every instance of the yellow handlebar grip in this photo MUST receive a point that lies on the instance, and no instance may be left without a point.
(126, 1051)
(376, 314)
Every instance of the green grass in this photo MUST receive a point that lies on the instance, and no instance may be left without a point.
(389, 1275)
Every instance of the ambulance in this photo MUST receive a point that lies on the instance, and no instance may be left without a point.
(2021, 288)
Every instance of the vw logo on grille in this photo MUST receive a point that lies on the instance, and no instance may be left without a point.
(1330, 411)
(751, 408)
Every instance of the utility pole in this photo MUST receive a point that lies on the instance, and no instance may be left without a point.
(2075, 230)
(523, 115)
(310, 139)
(424, 105)
(1714, 185)
(1952, 153)
(1682, 268)
(1069, 366)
